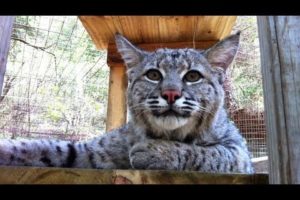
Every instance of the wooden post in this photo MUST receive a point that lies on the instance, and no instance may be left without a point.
(280, 57)
(6, 24)
(116, 108)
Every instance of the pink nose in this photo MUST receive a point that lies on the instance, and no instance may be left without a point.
(171, 95)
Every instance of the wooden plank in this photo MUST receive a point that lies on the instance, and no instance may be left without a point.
(206, 28)
(149, 35)
(176, 28)
(131, 28)
(157, 29)
(114, 25)
(97, 29)
(280, 47)
(214, 27)
(6, 24)
(33, 175)
(114, 56)
(116, 108)
(228, 23)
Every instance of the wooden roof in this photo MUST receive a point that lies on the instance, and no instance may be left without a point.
(157, 29)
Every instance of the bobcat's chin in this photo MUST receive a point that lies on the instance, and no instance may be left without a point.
(171, 122)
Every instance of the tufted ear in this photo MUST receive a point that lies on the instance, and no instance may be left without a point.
(223, 53)
(130, 53)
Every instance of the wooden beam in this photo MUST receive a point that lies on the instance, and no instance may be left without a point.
(279, 38)
(114, 56)
(34, 175)
(6, 24)
(116, 108)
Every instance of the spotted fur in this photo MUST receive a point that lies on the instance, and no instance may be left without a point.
(193, 133)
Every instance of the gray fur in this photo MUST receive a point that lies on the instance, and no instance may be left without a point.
(199, 137)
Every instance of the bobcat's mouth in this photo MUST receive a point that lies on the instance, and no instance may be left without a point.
(171, 112)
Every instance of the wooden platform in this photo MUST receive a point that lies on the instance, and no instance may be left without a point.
(32, 175)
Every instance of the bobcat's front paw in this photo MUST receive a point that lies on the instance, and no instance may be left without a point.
(149, 155)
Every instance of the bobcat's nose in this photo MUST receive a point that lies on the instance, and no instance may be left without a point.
(171, 95)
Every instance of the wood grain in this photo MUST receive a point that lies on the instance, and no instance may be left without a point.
(157, 29)
(213, 27)
(116, 108)
(280, 56)
(6, 24)
(33, 175)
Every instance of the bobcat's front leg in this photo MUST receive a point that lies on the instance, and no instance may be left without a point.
(108, 151)
(170, 155)
(155, 154)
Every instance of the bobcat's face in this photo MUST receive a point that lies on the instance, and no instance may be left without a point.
(175, 88)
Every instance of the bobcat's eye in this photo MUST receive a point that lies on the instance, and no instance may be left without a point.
(192, 76)
(153, 75)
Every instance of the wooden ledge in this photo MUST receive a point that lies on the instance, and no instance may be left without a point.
(34, 175)
(114, 58)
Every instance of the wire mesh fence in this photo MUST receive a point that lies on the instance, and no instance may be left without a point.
(56, 83)
(244, 88)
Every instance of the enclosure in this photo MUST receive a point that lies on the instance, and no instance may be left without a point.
(64, 79)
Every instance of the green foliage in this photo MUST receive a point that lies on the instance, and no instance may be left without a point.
(245, 71)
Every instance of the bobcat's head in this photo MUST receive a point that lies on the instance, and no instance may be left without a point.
(176, 90)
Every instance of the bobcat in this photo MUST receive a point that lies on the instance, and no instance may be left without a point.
(177, 119)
